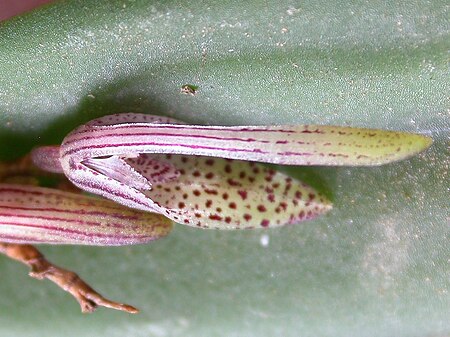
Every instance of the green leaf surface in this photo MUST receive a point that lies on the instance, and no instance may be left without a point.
(376, 265)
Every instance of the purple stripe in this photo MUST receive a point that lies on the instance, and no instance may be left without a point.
(45, 228)
(78, 212)
(290, 153)
(24, 190)
(40, 217)
(57, 194)
(23, 239)
(99, 241)
(42, 191)
(249, 128)
(152, 134)
(102, 146)
(70, 231)
(101, 189)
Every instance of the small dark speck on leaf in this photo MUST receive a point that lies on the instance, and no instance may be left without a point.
(189, 89)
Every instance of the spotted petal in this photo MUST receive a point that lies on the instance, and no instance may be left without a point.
(232, 194)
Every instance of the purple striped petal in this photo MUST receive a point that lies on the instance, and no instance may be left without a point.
(41, 215)
(287, 145)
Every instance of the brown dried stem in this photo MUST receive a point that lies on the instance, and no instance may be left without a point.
(69, 281)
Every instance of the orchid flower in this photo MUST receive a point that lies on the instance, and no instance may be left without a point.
(206, 176)
(161, 169)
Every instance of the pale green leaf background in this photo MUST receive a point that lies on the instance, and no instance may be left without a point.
(377, 265)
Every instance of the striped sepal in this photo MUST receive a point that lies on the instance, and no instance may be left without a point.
(31, 214)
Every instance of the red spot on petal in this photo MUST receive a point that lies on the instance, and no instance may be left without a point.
(311, 196)
(225, 196)
(268, 190)
(243, 194)
(242, 175)
(227, 219)
(184, 159)
(261, 208)
(209, 191)
(298, 195)
(208, 203)
(265, 223)
(209, 162)
(232, 205)
(287, 188)
(232, 182)
(215, 217)
(181, 205)
(271, 197)
(196, 174)
(247, 217)
(196, 193)
(185, 196)
(228, 168)
(198, 215)
(209, 175)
